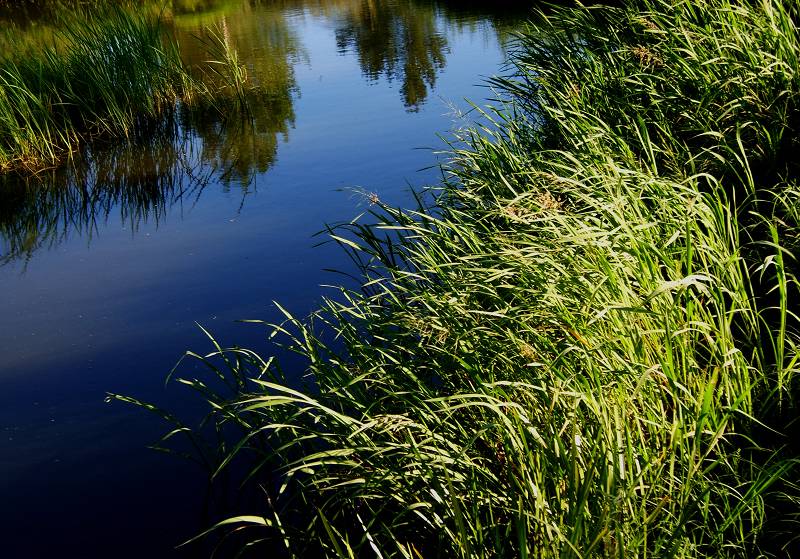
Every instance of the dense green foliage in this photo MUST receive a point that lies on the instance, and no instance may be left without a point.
(110, 74)
(106, 76)
(587, 346)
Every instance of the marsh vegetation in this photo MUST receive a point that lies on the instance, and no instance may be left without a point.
(581, 343)
(106, 77)
(113, 73)
(584, 345)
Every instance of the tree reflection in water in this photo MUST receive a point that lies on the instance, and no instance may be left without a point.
(403, 40)
(242, 145)
(397, 40)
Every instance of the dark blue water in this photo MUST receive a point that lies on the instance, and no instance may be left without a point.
(105, 267)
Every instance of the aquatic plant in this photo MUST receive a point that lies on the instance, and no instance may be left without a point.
(111, 74)
(108, 76)
(586, 346)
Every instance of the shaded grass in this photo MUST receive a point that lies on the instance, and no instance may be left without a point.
(586, 346)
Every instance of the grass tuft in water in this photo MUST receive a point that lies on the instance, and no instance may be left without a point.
(109, 76)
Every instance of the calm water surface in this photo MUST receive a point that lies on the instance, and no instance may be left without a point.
(106, 265)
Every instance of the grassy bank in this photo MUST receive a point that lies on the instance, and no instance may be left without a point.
(586, 346)
(109, 74)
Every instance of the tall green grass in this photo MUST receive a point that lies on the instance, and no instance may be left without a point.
(586, 347)
(109, 76)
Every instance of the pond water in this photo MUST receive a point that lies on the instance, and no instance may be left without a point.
(107, 264)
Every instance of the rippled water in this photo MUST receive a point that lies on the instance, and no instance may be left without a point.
(106, 264)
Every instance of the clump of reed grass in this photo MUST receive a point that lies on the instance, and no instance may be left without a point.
(583, 347)
(109, 76)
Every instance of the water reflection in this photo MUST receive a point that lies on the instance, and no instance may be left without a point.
(142, 179)
(138, 181)
(403, 41)
(398, 40)
(242, 145)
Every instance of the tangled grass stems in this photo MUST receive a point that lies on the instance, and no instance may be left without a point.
(587, 346)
